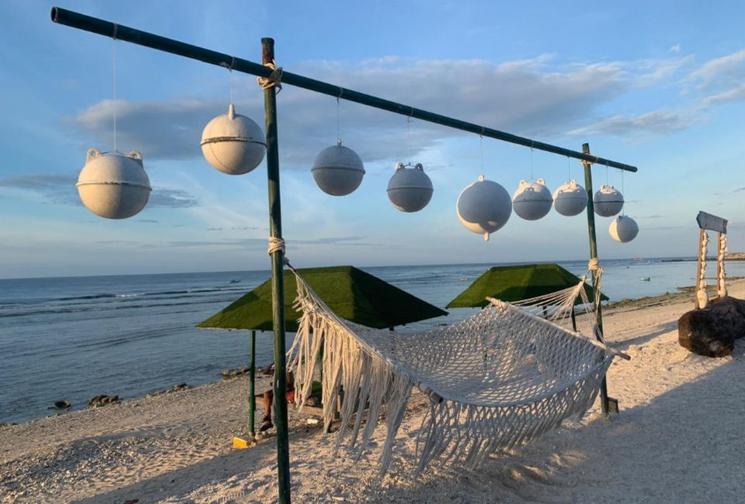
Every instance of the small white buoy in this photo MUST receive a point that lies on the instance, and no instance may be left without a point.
(623, 229)
(532, 201)
(338, 170)
(484, 207)
(608, 201)
(570, 199)
(410, 189)
(113, 185)
(233, 143)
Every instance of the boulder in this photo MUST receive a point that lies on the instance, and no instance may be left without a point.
(60, 405)
(712, 331)
(102, 400)
(228, 374)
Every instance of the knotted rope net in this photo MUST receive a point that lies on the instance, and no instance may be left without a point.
(497, 379)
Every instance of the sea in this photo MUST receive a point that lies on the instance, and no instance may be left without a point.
(73, 338)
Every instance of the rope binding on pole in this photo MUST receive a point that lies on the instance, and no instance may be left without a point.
(274, 79)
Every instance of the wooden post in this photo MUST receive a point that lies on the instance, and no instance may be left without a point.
(252, 388)
(701, 296)
(593, 257)
(278, 291)
(721, 275)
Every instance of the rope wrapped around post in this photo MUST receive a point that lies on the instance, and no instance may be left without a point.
(274, 79)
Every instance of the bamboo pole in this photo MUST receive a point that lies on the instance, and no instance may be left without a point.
(593, 257)
(121, 32)
(278, 296)
(252, 388)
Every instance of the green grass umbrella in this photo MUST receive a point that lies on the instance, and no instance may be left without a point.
(517, 282)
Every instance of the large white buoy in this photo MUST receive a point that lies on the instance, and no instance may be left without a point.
(570, 199)
(484, 207)
(623, 229)
(113, 185)
(532, 201)
(338, 170)
(233, 143)
(608, 201)
(410, 189)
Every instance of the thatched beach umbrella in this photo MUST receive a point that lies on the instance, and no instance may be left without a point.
(349, 292)
(517, 282)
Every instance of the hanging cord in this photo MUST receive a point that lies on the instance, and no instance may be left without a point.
(113, 83)
(569, 167)
(338, 116)
(531, 160)
(275, 78)
(229, 68)
(607, 178)
(481, 148)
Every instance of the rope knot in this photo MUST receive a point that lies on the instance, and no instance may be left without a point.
(276, 245)
(274, 79)
(593, 264)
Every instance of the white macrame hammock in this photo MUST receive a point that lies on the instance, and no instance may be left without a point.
(499, 378)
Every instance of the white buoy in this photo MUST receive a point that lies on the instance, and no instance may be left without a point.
(233, 143)
(113, 185)
(623, 229)
(608, 201)
(570, 199)
(532, 201)
(484, 207)
(338, 170)
(410, 189)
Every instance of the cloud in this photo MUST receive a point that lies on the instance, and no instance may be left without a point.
(60, 189)
(528, 97)
(723, 71)
(675, 48)
(172, 198)
(733, 94)
(656, 122)
(722, 78)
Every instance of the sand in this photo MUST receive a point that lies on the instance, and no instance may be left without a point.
(680, 437)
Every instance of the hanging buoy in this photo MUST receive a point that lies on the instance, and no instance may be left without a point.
(608, 201)
(484, 207)
(532, 201)
(623, 229)
(570, 199)
(233, 143)
(409, 189)
(113, 185)
(338, 170)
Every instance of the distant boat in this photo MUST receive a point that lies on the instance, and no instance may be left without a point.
(646, 279)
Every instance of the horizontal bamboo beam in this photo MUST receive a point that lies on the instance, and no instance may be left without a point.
(120, 32)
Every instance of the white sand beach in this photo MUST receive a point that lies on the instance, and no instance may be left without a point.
(680, 437)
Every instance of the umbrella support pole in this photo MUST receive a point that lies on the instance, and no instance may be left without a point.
(278, 290)
(252, 388)
(606, 402)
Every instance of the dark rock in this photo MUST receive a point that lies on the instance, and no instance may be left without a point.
(6, 424)
(267, 370)
(60, 405)
(712, 331)
(175, 388)
(102, 400)
(228, 374)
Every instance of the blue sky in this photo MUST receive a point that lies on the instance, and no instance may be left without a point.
(658, 85)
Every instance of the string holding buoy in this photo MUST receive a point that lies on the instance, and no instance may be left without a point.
(113, 185)
(623, 229)
(233, 143)
(570, 199)
(410, 189)
(484, 207)
(532, 201)
(608, 201)
(338, 170)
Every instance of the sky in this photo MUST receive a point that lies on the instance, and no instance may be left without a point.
(659, 85)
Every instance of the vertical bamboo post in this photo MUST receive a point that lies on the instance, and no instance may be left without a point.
(252, 388)
(278, 294)
(593, 256)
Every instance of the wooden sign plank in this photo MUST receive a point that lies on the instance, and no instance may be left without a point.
(711, 222)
